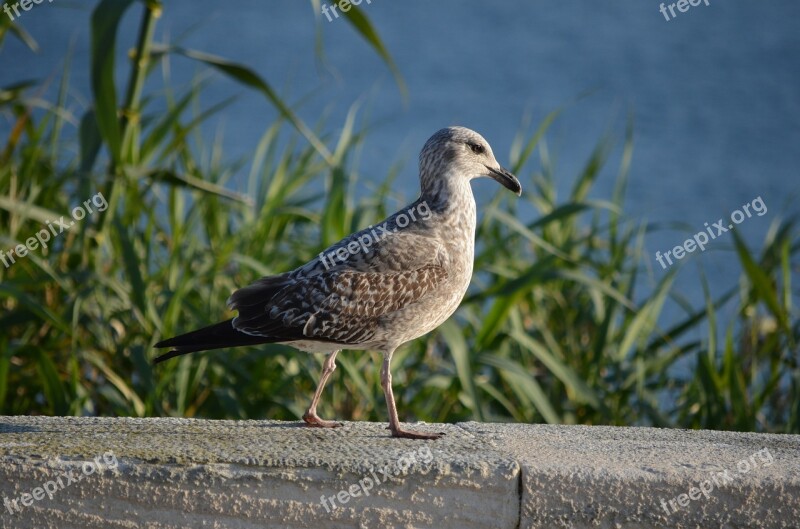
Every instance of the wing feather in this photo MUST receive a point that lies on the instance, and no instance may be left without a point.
(344, 305)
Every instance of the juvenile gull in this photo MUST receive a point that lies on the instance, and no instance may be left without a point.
(376, 289)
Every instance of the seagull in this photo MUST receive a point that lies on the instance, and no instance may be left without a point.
(377, 288)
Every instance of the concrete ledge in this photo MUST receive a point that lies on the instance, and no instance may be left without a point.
(65, 472)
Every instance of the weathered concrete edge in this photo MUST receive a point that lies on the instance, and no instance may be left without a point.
(567, 476)
(272, 473)
(583, 476)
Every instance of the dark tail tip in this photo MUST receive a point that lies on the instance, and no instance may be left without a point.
(166, 356)
(216, 336)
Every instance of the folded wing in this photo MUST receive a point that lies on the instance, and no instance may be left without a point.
(343, 304)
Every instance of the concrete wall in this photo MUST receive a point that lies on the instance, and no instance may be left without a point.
(64, 473)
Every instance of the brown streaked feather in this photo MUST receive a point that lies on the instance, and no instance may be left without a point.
(345, 304)
(343, 307)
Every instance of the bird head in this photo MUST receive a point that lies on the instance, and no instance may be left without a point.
(460, 153)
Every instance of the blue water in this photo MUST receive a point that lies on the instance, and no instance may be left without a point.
(714, 93)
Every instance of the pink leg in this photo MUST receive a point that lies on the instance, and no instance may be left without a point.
(310, 416)
(394, 422)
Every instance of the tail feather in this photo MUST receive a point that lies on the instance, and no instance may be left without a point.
(216, 336)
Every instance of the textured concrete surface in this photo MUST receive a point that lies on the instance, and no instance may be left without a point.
(625, 478)
(250, 474)
(166, 473)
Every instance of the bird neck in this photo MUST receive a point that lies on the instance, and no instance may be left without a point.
(452, 203)
(446, 193)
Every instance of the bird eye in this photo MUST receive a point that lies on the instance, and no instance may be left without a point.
(476, 148)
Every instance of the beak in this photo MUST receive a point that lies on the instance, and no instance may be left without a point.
(506, 179)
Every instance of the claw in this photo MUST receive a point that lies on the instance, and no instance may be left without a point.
(313, 420)
(413, 434)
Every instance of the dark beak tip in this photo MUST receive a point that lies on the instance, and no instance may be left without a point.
(505, 178)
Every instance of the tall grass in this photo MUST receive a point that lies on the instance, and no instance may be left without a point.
(549, 332)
